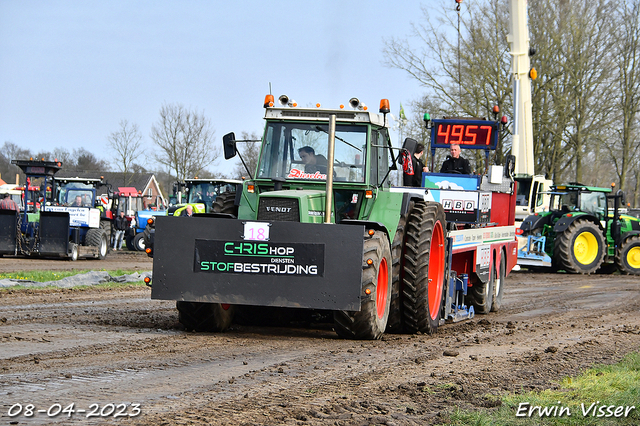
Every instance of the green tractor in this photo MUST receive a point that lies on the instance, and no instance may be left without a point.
(582, 233)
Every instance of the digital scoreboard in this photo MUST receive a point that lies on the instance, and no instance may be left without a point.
(469, 134)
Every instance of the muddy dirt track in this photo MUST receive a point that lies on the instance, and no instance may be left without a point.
(114, 352)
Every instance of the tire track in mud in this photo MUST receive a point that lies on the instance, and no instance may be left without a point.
(118, 346)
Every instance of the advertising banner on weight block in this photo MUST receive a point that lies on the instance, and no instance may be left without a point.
(259, 257)
(285, 264)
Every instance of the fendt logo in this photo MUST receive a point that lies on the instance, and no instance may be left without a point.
(278, 209)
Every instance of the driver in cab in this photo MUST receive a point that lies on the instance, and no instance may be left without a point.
(312, 162)
(455, 163)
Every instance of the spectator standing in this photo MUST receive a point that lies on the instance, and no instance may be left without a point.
(121, 225)
(7, 203)
(412, 175)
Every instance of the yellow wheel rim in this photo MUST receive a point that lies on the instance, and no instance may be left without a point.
(585, 248)
(633, 257)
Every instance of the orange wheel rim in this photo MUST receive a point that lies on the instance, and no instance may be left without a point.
(436, 270)
(382, 288)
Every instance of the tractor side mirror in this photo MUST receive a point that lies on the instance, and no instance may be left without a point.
(229, 145)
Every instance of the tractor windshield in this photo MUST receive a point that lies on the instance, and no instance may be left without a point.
(299, 151)
(594, 203)
(68, 194)
(565, 201)
(205, 192)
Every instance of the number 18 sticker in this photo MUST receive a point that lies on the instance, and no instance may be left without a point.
(256, 231)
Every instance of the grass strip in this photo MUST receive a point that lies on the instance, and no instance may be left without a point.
(602, 395)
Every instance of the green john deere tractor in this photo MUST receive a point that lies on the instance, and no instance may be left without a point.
(583, 233)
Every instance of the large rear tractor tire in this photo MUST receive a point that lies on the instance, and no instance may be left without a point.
(580, 249)
(98, 238)
(394, 324)
(424, 268)
(628, 258)
(225, 203)
(197, 316)
(370, 322)
(500, 272)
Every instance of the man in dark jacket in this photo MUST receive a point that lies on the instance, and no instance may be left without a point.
(455, 163)
(412, 176)
(120, 224)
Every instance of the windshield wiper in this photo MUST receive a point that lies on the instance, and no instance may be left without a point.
(339, 138)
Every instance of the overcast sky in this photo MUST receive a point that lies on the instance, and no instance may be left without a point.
(71, 70)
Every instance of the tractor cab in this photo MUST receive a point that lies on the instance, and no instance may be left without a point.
(579, 198)
(295, 162)
(76, 192)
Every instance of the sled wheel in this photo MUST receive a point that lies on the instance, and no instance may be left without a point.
(73, 255)
(500, 273)
(370, 321)
(198, 316)
(97, 238)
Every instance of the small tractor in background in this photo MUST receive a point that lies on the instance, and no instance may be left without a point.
(319, 228)
(200, 194)
(66, 225)
(203, 195)
(583, 232)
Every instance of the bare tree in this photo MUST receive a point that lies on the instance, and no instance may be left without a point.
(185, 141)
(86, 161)
(9, 152)
(626, 145)
(126, 143)
(573, 99)
(250, 152)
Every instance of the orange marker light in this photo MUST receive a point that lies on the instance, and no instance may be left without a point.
(369, 262)
(341, 106)
(148, 250)
(367, 291)
(318, 105)
(150, 221)
(268, 101)
(147, 280)
(371, 232)
(496, 109)
(251, 188)
(368, 193)
(384, 106)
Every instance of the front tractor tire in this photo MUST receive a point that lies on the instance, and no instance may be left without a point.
(370, 322)
(205, 317)
(424, 268)
(628, 258)
(138, 242)
(580, 249)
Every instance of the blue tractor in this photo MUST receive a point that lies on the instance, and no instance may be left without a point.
(66, 223)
